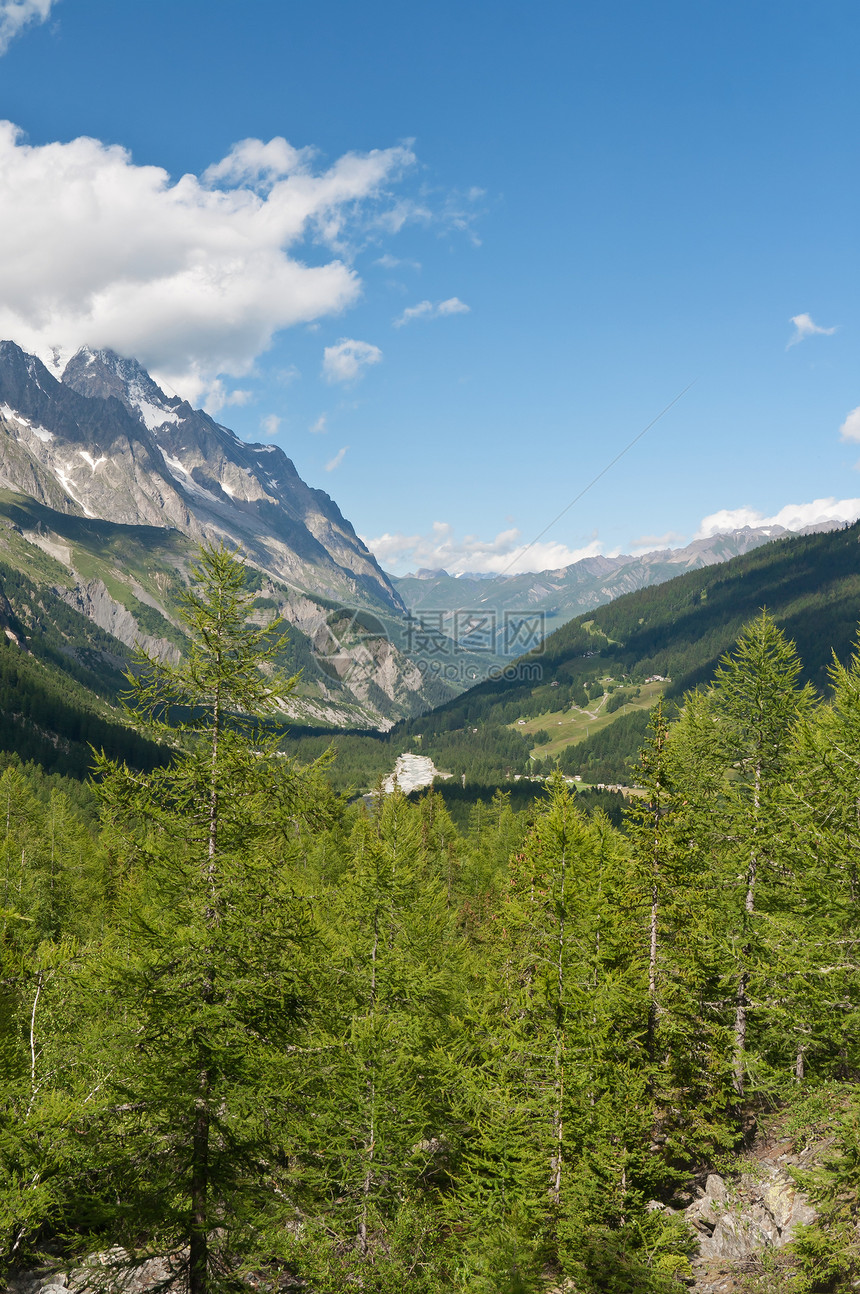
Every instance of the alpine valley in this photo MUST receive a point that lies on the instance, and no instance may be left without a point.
(528, 1033)
(107, 488)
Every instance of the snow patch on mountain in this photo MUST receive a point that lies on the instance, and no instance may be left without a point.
(41, 433)
(151, 415)
(62, 474)
(88, 458)
(175, 465)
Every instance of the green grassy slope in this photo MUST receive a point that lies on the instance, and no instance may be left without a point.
(145, 568)
(60, 679)
(679, 630)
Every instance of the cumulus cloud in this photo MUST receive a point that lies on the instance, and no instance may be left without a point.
(193, 277)
(794, 516)
(440, 549)
(319, 427)
(15, 15)
(270, 424)
(335, 462)
(431, 310)
(850, 429)
(217, 394)
(804, 327)
(506, 554)
(348, 358)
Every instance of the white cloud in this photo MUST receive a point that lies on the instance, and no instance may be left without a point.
(422, 311)
(504, 554)
(216, 396)
(850, 429)
(270, 424)
(335, 462)
(192, 277)
(804, 327)
(794, 516)
(261, 164)
(429, 310)
(15, 15)
(389, 262)
(347, 359)
(319, 427)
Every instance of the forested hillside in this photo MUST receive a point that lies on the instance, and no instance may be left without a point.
(677, 630)
(598, 663)
(274, 1038)
(120, 585)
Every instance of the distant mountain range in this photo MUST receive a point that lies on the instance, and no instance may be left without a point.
(614, 659)
(558, 596)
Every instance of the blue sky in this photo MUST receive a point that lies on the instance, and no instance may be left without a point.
(498, 240)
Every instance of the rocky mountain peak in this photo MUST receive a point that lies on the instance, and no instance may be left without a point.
(106, 441)
(99, 374)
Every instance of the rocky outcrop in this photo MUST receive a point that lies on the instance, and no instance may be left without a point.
(734, 1221)
(8, 623)
(94, 601)
(738, 1217)
(111, 1272)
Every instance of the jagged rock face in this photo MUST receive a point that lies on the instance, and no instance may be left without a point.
(738, 1220)
(107, 442)
(93, 600)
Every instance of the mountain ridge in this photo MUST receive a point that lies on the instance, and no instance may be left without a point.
(106, 441)
(562, 593)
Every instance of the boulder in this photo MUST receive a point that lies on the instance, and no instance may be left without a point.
(739, 1219)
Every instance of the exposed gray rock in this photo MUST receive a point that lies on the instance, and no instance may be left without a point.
(94, 601)
(107, 443)
(753, 1213)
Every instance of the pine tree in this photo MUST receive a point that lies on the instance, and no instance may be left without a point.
(648, 830)
(823, 1012)
(380, 1146)
(50, 901)
(205, 987)
(550, 1053)
(731, 753)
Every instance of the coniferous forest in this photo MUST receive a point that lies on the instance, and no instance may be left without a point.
(284, 1039)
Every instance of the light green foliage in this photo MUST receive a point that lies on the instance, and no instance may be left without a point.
(550, 1052)
(52, 899)
(730, 755)
(826, 881)
(361, 1048)
(207, 978)
(381, 1143)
